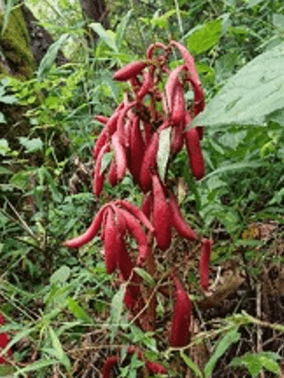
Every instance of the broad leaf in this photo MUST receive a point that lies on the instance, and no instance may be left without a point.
(116, 310)
(107, 37)
(2, 118)
(248, 97)
(230, 338)
(164, 152)
(49, 58)
(78, 311)
(205, 37)
(31, 145)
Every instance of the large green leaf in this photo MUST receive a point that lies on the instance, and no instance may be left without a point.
(248, 97)
(49, 58)
(205, 37)
(230, 338)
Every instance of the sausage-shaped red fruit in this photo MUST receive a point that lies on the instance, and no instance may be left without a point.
(136, 230)
(147, 205)
(98, 175)
(130, 70)
(204, 263)
(161, 215)
(178, 221)
(194, 153)
(102, 119)
(110, 232)
(109, 363)
(90, 233)
(120, 157)
(149, 163)
(136, 150)
(107, 132)
(113, 174)
(171, 85)
(4, 341)
(138, 213)
(181, 317)
(189, 61)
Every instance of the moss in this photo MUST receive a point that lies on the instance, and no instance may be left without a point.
(15, 46)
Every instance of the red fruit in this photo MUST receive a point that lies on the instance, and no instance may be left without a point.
(136, 150)
(147, 84)
(155, 368)
(120, 124)
(129, 71)
(110, 232)
(200, 130)
(147, 205)
(107, 131)
(194, 153)
(149, 163)
(181, 317)
(161, 215)
(123, 259)
(113, 174)
(90, 233)
(177, 138)
(101, 119)
(4, 341)
(171, 85)
(178, 107)
(109, 363)
(136, 230)
(189, 61)
(153, 46)
(98, 175)
(204, 263)
(199, 101)
(137, 213)
(120, 157)
(178, 221)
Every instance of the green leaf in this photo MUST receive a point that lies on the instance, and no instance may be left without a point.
(121, 29)
(40, 364)
(116, 310)
(58, 350)
(31, 145)
(235, 167)
(61, 275)
(252, 3)
(7, 371)
(230, 338)
(2, 118)
(255, 362)
(8, 9)
(106, 161)
(20, 180)
(49, 58)
(4, 146)
(205, 37)
(164, 152)
(78, 311)
(106, 36)
(248, 97)
(278, 21)
(146, 276)
(8, 99)
(161, 21)
(191, 365)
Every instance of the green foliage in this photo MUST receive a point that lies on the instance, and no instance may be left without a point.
(54, 297)
(256, 362)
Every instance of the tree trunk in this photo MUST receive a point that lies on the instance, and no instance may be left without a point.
(95, 10)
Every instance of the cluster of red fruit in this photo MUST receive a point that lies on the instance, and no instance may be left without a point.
(154, 102)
